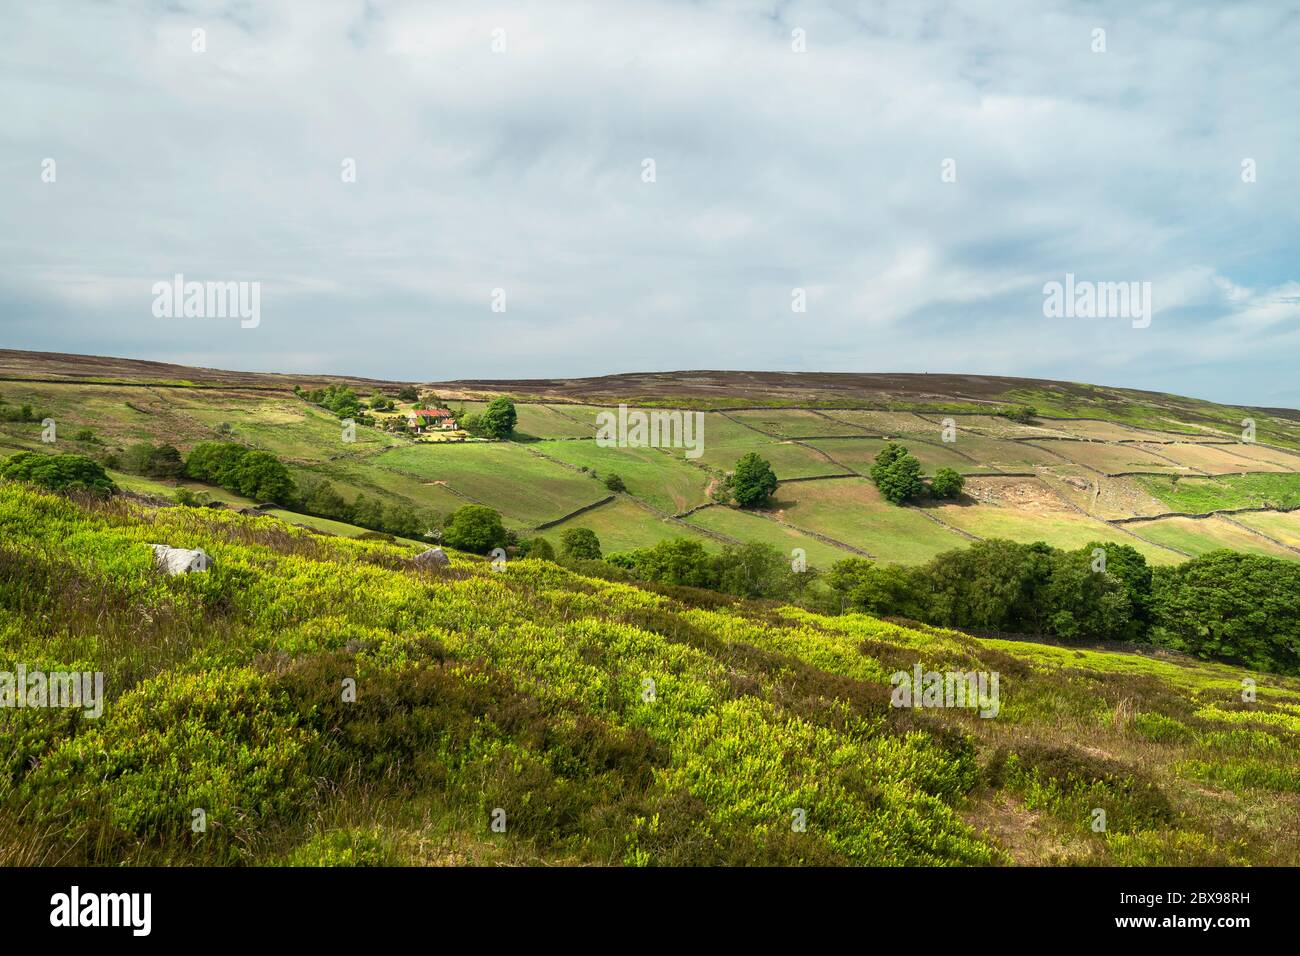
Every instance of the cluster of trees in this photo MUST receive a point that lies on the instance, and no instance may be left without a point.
(1238, 607)
(898, 476)
(254, 474)
(1024, 414)
(153, 461)
(317, 496)
(497, 421)
(67, 473)
(344, 402)
(750, 484)
(750, 570)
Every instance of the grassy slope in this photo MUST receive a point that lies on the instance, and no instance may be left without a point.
(526, 691)
(529, 490)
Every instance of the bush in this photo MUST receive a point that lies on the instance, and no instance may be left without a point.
(59, 473)
(753, 482)
(614, 482)
(947, 483)
(580, 543)
(476, 529)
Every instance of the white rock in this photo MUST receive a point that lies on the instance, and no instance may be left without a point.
(433, 558)
(180, 560)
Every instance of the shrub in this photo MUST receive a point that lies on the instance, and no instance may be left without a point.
(614, 482)
(947, 483)
(59, 473)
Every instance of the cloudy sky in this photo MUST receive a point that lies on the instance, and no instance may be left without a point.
(504, 146)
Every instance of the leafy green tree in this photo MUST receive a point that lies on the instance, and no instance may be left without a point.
(368, 512)
(59, 473)
(680, 561)
(401, 519)
(498, 419)
(408, 393)
(753, 482)
(260, 476)
(890, 589)
(897, 474)
(476, 529)
(614, 482)
(1237, 607)
(580, 543)
(1129, 566)
(541, 550)
(1024, 414)
(947, 483)
(214, 462)
(754, 570)
(319, 497)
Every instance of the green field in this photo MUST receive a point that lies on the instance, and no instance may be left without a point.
(1283, 527)
(795, 423)
(744, 526)
(1196, 495)
(525, 488)
(1061, 529)
(623, 526)
(852, 511)
(859, 454)
(663, 480)
(1197, 536)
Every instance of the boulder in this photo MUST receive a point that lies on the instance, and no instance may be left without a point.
(433, 558)
(180, 560)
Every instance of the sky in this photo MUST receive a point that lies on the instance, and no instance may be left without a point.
(441, 190)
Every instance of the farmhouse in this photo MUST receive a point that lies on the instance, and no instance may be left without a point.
(429, 419)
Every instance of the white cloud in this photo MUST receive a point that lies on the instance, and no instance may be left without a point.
(776, 169)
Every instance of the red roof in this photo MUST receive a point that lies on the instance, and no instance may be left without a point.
(432, 413)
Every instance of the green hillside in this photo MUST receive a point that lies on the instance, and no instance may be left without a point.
(595, 721)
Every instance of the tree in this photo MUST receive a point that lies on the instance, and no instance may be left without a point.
(408, 393)
(753, 569)
(498, 419)
(214, 462)
(320, 498)
(1129, 566)
(681, 561)
(540, 549)
(1024, 414)
(155, 461)
(1229, 605)
(753, 482)
(260, 476)
(368, 513)
(889, 589)
(614, 482)
(947, 483)
(580, 543)
(897, 474)
(476, 529)
(59, 473)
